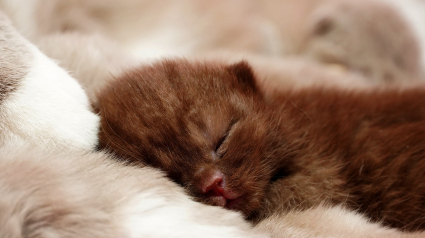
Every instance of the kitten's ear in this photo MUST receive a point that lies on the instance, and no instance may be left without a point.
(244, 75)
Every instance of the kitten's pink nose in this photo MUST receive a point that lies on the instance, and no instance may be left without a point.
(214, 185)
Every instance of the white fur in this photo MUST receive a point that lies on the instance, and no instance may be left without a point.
(49, 108)
(153, 211)
(51, 194)
(328, 221)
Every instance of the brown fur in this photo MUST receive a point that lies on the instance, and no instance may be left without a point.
(363, 149)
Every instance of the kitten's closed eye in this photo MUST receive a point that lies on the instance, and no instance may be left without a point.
(280, 174)
(220, 147)
(220, 143)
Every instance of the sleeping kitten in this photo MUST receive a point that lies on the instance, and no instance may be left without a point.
(72, 193)
(90, 196)
(209, 128)
(52, 194)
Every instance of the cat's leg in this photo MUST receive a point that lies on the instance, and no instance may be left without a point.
(324, 221)
(40, 103)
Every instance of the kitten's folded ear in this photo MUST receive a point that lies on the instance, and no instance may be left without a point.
(244, 75)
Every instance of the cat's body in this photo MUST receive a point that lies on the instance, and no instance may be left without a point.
(56, 194)
(324, 221)
(361, 149)
(39, 102)
(53, 194)
(208, 127)
(23, 122)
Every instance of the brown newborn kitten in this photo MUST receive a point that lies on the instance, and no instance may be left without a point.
(209, 128)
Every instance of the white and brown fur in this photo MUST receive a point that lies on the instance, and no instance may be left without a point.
(54, 194)
(51, 185)
(342, 215)
(209, 128)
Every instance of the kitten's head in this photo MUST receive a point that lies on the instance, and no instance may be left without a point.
(205, 124)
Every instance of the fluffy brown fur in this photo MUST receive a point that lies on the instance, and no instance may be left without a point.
(207, 126)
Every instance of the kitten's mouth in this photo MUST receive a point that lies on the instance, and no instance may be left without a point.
(218, 201)
(226, 199)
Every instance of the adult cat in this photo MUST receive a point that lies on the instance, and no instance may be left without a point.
(209, 128)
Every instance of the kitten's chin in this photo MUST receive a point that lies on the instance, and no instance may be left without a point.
(233, 204)
(217, 201)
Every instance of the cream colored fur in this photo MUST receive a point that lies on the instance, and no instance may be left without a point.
(319, 222)
(53, 194)
(328, 222)
(86, 195)
(46, 106)
(91, 58)
(51, 188)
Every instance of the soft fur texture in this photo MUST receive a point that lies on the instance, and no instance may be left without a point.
(92, 59)
(325, 221)
(51, 194)
(208, 127)
(75, 193)
(72, 194)
(75, 15)
(40, 102)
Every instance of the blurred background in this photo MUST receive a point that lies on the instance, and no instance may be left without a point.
(345, 42)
